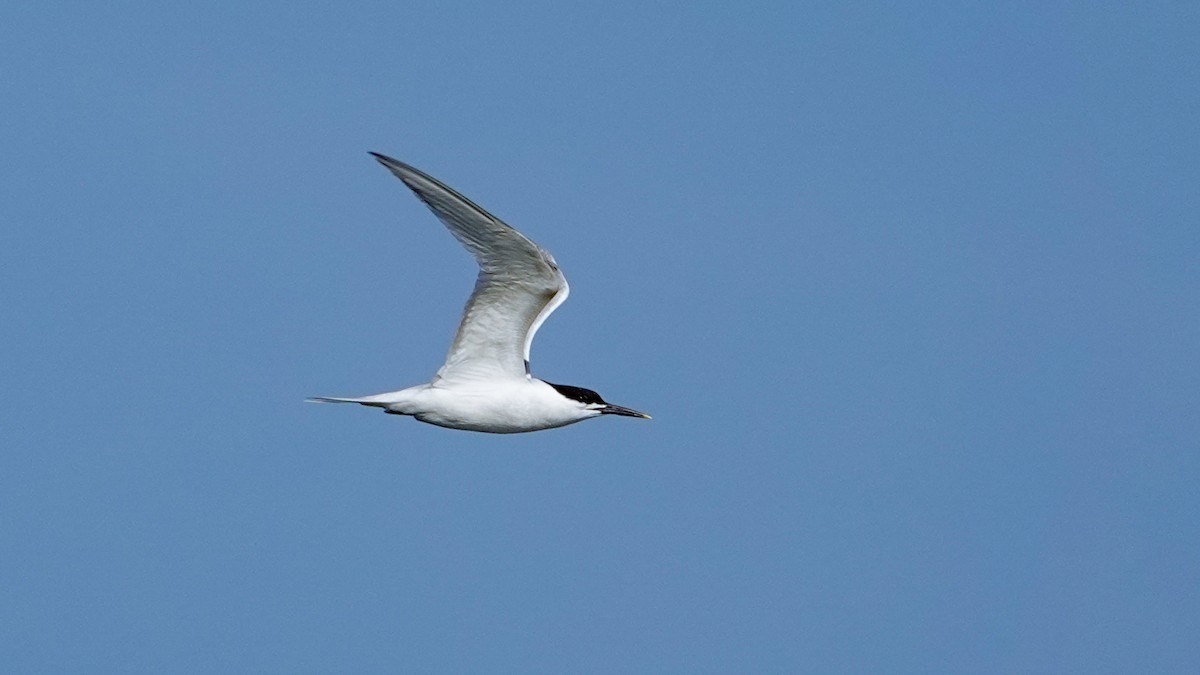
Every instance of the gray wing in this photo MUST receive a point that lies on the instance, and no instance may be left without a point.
(518, 286)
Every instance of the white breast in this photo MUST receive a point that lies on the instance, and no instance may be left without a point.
(498, 407)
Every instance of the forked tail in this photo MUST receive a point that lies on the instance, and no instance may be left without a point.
(366, 400)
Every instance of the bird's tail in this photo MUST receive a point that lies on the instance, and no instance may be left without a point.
(365, 400)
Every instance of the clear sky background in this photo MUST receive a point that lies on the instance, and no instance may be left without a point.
(910, 289)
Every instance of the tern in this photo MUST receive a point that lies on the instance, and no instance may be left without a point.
(485, 384)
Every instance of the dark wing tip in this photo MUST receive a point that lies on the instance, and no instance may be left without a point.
(400, 170)
(382, 158)
(405, 172)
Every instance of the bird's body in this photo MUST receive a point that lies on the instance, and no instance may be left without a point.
(495, 406)
(485, 384)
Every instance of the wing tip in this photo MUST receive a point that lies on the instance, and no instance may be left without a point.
(405, 172)
(382, 158)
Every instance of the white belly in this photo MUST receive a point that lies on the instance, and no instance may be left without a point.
(509, 409)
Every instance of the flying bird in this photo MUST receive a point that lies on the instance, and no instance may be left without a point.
(485, 384)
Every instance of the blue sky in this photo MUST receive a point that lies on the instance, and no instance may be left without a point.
(910, 290)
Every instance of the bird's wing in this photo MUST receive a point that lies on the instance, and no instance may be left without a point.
(519, 284)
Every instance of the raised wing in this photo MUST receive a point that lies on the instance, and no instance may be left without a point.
(518, 286)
